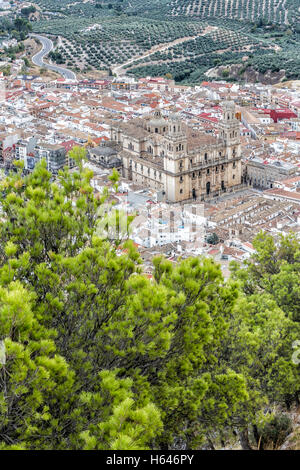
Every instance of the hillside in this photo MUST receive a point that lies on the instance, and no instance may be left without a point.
(263, 36)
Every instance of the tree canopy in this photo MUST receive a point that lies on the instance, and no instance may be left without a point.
(99, 356)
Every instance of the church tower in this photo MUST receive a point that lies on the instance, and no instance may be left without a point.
(230, 126)
(175, 139)
(230, 134)
(175, 159)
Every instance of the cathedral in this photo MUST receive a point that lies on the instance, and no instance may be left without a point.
(184, 164)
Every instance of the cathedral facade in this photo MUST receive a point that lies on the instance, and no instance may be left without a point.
(184, 164)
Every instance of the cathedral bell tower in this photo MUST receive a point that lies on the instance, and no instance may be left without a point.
(175, 159)
(230, 126)
(175, 140)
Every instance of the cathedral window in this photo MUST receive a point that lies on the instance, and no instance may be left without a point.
(181, 179)
(207, 171)
(205, 157)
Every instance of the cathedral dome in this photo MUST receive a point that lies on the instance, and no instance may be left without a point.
(157, 122)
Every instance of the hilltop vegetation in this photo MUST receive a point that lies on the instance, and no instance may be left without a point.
(102, 44)
(275, 11)
(264, 35)
(95, 355)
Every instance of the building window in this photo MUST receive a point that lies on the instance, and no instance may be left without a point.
(233, 165)
(207, 171)
(180, 164)
(194, 175)
(216, 169)
(191, 161)
(205, 157)
(181, 179)
(222, 167)
(181, 191)
(233, 176)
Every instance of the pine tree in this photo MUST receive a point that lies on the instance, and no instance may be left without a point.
(180, 360)
(34, 378)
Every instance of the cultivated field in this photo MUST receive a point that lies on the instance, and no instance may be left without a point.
(154, 37)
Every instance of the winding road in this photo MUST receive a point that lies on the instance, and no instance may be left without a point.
(38, 59)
